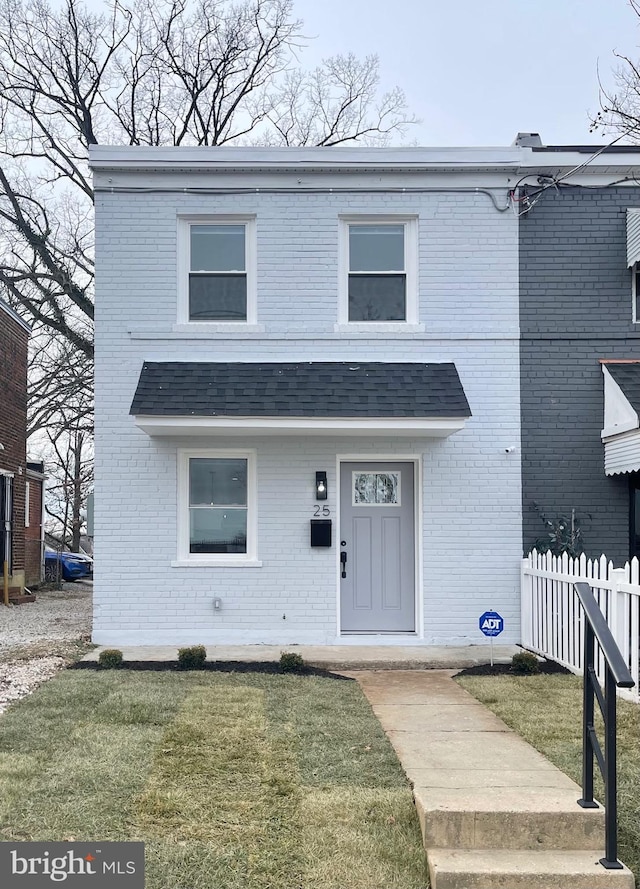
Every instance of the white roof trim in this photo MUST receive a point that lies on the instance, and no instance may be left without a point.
(511, 159)
(438, 427)
(633, 236)
(619, 415)
(126, 157)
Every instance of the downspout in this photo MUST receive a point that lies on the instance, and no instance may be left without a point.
(42, 484)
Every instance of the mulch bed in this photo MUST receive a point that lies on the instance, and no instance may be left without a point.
(545, 668)
(271, 667)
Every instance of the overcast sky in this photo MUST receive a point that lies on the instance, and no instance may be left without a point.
(478, 71)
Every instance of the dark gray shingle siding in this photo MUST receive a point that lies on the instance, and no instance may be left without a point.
(575, 309)
(312, 389)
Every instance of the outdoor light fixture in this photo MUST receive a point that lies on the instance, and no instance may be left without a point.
(321, 485)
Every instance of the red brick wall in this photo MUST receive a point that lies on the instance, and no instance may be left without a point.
(13, 421)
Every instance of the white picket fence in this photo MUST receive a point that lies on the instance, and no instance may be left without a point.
(552, 622)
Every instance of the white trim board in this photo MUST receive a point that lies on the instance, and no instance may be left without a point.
(430, 427)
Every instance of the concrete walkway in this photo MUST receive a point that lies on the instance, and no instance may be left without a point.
(335, 657)
(493, 811)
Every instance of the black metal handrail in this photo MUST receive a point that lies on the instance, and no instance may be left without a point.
(616, 674)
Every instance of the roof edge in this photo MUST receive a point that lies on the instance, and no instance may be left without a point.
(14, 315)
(520, 159)
(254, 159)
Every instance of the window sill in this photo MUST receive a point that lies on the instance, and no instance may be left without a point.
(378, 327)
(216, 563)
(207, 327)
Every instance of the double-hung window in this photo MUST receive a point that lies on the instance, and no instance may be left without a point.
(216, 507)
(379, 275)
(217, 269)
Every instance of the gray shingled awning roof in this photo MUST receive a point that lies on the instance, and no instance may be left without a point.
(309, 389)
(627, 376)
(319, 397)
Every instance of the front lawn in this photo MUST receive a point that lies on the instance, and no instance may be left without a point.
(233, 781)
(547, 712)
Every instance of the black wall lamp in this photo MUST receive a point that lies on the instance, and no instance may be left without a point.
(321, 485)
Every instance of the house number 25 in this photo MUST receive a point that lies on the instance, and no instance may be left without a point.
(321, 510)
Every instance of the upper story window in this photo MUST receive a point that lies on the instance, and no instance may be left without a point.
(217, 270)
(378, 270)
(635, 293)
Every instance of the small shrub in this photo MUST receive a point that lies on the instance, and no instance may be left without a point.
(525, 662)
(192, 658)
(110, 659)
(563, 533)
(290, 662)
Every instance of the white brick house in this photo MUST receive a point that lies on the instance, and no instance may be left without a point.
(250, 299)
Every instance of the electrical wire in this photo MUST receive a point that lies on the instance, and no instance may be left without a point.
(530, 200)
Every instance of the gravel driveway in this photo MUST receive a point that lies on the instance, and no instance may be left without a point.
(37, 639)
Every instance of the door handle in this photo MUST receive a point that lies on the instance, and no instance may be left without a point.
(343, 562)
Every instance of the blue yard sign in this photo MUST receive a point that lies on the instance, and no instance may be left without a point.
(491, 623)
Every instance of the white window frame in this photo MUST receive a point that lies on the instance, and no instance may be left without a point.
(27, 494)
(410, 224)
(184, 267)
(227, 560)
(635, 294)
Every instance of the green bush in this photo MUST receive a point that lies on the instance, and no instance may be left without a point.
(192, 658)
(290, 662)
(110, 658)
(525, 662)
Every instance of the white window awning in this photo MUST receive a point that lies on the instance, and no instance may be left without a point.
(622, 453)
(621, 432)
(633, 236)
(300, 398)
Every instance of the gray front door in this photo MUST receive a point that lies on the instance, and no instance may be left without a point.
(377, 580)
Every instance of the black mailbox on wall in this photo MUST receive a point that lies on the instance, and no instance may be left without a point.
(320, 532)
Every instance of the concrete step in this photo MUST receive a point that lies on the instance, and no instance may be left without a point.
(491, 869)
(511, 818)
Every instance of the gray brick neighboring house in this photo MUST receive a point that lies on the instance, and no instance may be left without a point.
(577, 313)
(310, 383)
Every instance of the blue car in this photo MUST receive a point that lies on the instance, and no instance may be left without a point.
(68, 566)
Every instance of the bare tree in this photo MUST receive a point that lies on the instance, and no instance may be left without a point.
(155, 72)
(59, 386)
(619, 112)
(70, 470)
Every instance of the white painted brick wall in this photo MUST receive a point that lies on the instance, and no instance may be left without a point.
(472, 503)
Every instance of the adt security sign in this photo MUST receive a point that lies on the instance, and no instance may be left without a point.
(491, 623)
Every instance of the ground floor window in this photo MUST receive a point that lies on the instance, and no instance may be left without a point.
(217, 505)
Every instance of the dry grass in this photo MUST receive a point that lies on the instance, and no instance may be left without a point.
(547, 712)
(233, 781)
(70, 649)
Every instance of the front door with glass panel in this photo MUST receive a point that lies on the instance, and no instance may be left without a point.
(377, 551)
